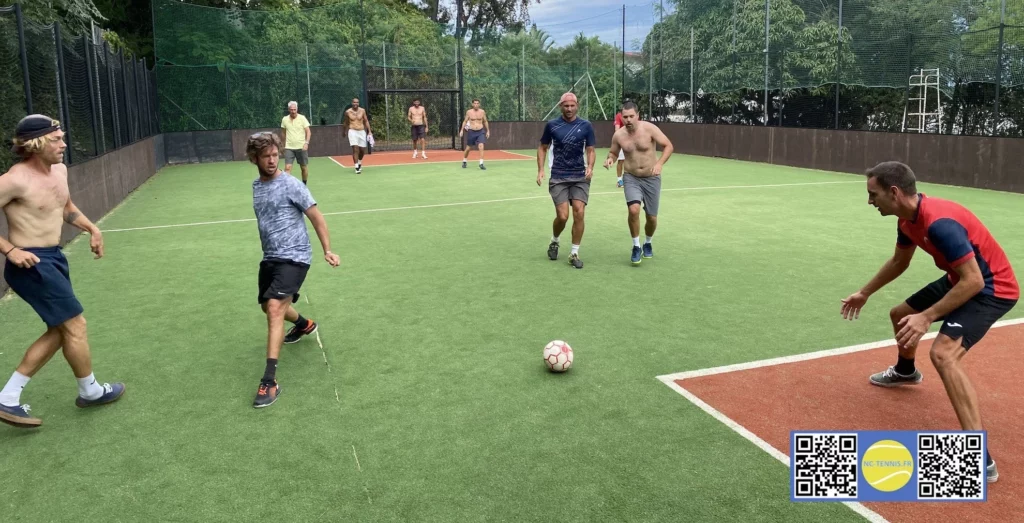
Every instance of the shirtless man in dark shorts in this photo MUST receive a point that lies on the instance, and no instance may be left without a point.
(418, 119)
(478, 130)
(36, 200)
(641, 173)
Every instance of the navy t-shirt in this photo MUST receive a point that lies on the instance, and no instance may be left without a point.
(570, 141)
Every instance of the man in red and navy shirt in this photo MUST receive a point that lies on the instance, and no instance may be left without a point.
(979, 286)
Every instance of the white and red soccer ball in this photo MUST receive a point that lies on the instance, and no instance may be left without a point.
(558, 356)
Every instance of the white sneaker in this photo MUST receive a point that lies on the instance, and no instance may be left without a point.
(416, 154)
(424, 156)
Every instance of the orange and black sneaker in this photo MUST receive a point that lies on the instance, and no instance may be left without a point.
(296, 333)
(267, 394)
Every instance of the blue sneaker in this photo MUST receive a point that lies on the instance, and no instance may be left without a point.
(111, 393)
(648, 251)
(636, 255)
(18, 416)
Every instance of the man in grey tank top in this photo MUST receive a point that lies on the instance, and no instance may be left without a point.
(281, 203)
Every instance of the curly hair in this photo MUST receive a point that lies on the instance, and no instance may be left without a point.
(259, 142)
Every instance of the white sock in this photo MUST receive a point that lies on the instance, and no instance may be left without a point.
(636, 241)
(481, 161)
(620, 178)
(88, 388)
(11, 395)
(649, 239)
(554, 239)
(575, 249)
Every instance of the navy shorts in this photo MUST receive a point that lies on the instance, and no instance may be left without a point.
(971, 321)
(418, 132)
(46, 286)
(476, 137)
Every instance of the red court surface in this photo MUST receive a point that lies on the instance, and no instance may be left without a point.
(832, 392)
(383, 159)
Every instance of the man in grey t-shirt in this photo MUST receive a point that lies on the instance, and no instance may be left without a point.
(281, 203)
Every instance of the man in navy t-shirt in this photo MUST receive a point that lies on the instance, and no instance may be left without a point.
(570, 172)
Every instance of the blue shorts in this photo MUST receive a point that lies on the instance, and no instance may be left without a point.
(46, 286)
(474, 138)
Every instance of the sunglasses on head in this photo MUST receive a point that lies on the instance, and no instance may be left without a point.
(260, 134)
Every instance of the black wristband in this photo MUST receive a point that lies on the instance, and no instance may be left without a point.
(10, 251)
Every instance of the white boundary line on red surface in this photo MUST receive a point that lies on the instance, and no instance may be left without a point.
(670, 381)
(522, 157)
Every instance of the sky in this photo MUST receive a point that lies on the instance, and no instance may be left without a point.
(564, 19)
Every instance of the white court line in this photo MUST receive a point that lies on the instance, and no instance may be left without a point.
(670, 381)
(337, 162)
(478, 202)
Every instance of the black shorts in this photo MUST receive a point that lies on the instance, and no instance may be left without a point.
(280, 279)
(971, 321)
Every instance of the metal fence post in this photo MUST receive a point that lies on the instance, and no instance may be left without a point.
(92, 96)
(767, 21)
(62, 85)
(999, 68)
(113, 95)
(20, 22)
(839, 59)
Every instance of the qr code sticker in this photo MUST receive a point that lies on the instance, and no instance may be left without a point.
(951, 466)
(824, 466)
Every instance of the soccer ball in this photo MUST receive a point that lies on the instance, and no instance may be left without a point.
(558, 356)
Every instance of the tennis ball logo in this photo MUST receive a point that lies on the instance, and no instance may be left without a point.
(887, 465)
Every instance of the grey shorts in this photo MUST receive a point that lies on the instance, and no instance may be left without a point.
(564, 191)
(290, 155)
(643, 190)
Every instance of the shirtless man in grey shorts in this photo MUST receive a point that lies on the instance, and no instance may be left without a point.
(641, 173)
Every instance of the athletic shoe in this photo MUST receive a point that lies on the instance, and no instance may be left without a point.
(111, 393)
(267, 394)
(424, 156)
(619, 183)
(18, 416)
(648, 251)
(636, 255)
(463, 165)
(889, 378)
(296, 333)
(575, 261)
(482, 168)
(991, 473)
(415, 154)
(553, 250)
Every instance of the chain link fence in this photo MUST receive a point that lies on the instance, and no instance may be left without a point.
(104, 100)
(934, 66)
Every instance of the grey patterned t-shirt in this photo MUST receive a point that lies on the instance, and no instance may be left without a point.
(280, 205)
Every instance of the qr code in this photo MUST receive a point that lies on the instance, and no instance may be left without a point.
(825, 466)
(950, 466)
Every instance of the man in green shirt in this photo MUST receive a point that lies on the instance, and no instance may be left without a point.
(295, 135)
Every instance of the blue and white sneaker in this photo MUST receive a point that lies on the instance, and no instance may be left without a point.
(18, 416)
(648, 251)
(635, 258)
(111, 393)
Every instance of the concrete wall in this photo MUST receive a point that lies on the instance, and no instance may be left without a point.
(969, 161)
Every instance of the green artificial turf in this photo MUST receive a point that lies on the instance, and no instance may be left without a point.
(434, 403)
